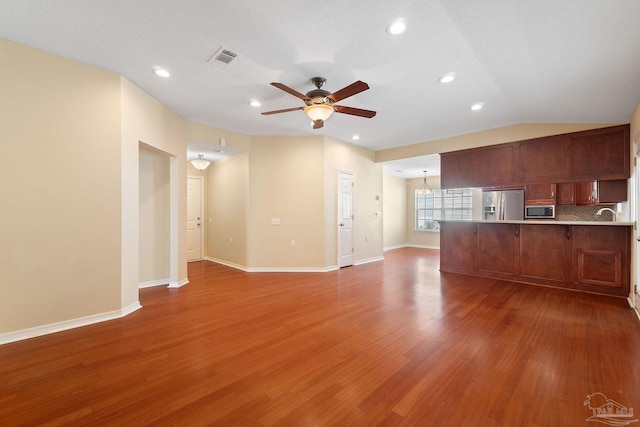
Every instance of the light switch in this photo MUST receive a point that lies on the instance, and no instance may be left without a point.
(275, 221)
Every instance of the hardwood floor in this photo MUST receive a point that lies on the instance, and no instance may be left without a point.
(387, 343)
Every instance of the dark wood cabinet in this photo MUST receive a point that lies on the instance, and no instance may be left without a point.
(600, 154)
(496, 165)
(612, 191)
(600, 256)
(544, 159)
(586, 193)
(540, 194)
(498, 248)
(591, 258)
(566, 193)
(459, 169)
(458, 248)
(544, 252)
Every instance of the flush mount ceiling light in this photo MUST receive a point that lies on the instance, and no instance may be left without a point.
(447, 78)
(398, 26)
(477, 107)
(425, 189)
(355, 137)
(200, 163)
(161, 72)
(254, 103)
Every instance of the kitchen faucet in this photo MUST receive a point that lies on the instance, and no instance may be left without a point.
(613, 213)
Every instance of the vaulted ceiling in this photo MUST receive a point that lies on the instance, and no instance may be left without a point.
(525, 61)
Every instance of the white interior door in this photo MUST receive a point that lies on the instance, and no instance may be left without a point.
(194, 218)
(345, 218)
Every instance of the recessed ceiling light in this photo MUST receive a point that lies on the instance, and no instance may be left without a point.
(397, 27)
(447, 78)
(254, 103)
(161, 72)
(478, 106)
(355, 137)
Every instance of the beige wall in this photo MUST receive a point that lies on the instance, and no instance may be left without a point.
(394, 211)
(60, 184)
(286, 182)
(227, 196)
(367, 201)
(154, 247)
(147, 121)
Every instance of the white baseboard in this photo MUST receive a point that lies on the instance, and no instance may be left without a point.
(67, 324)
(152, 283)
(423, 247)
(368, 260)
(179, 284)
(274, 269)
(389, 248)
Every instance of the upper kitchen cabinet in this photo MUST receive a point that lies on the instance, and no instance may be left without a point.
(481, 167)
(600, 154)
(459, 169)
(594, 155)
(540, 194)
(544, 160)
(496, 165)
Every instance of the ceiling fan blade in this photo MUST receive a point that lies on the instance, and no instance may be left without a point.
(317, 124)
(348, 91)
(354, 111)
(286, 110)
(290, 91)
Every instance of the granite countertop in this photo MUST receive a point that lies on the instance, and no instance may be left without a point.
(546, 222)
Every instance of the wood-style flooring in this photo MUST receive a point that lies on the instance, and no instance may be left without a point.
(388, 343)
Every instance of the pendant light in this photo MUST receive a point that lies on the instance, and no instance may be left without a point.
(425, 189)
(200, 163)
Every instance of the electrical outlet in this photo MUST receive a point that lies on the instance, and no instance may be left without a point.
(230, 239)
(293, 243)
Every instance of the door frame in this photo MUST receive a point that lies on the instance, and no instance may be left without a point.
(202, 222)
(338, 211)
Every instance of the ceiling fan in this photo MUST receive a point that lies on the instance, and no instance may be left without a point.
(320, 104)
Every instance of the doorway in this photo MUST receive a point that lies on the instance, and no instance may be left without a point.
(345, 219)
(195, 218)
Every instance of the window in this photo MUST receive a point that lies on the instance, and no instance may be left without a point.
(442, 204)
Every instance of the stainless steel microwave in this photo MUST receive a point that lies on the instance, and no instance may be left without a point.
(540, 212)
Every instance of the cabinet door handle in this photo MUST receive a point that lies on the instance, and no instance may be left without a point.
(517, 231)
(568, 233)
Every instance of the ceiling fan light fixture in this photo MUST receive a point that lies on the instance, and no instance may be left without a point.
(200, 163)
(318, 111)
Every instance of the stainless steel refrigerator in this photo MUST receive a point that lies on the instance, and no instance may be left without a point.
(503, 205)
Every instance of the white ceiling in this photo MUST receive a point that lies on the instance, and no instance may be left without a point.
(528, 61)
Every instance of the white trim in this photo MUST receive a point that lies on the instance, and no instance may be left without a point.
(390, 248)
(67, 324)
(368, 260)
(424, 246)
(274, 269)
(179, 283)
(228, 264)
(152, 283)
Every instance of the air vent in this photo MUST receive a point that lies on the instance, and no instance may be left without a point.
(222, 57)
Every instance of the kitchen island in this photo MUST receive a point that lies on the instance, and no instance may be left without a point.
(588, 256)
